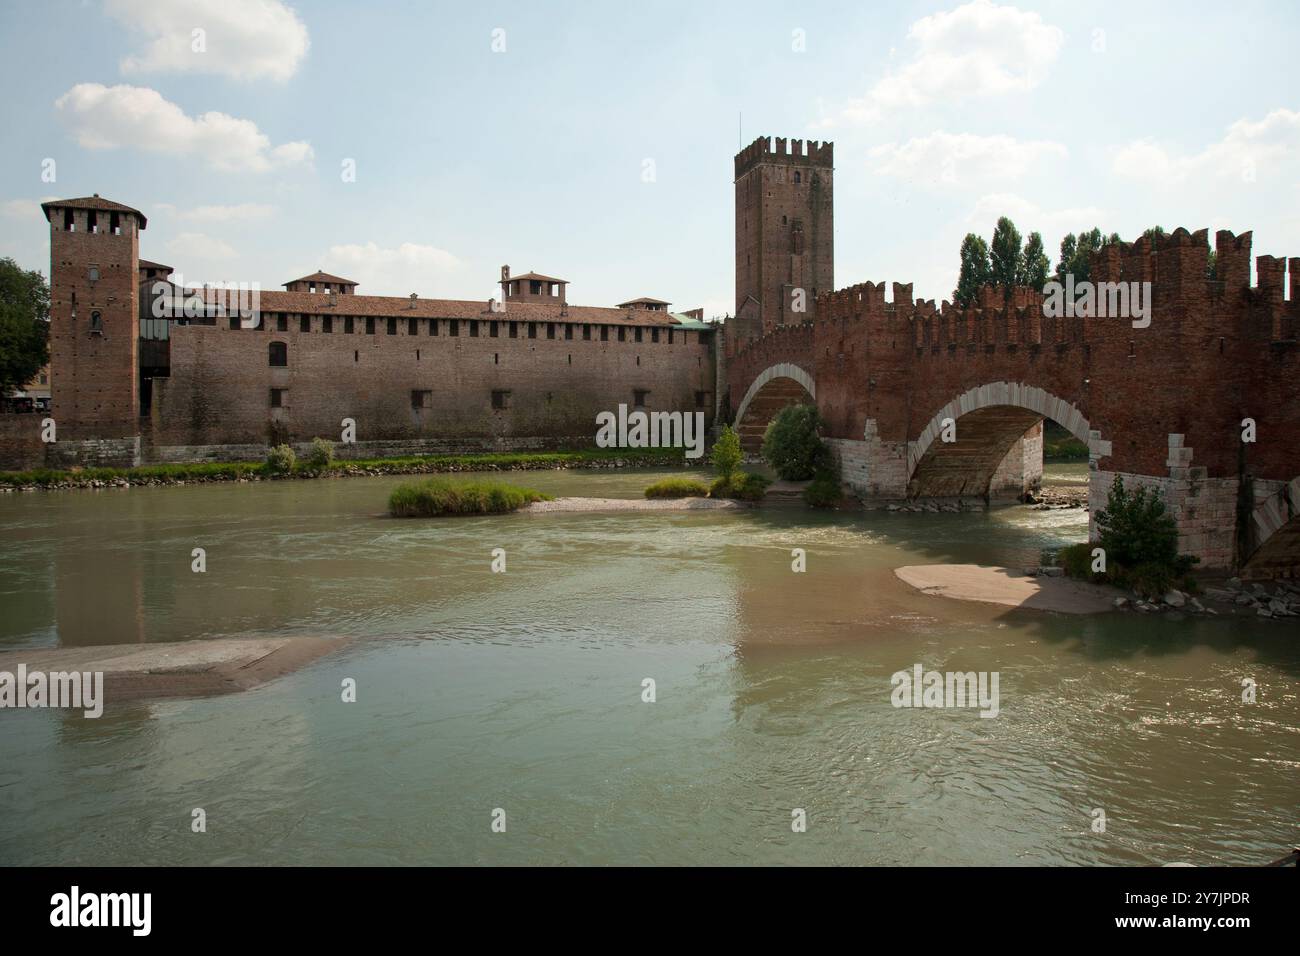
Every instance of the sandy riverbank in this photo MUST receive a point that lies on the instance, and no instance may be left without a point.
(991, 585)
(186, 669)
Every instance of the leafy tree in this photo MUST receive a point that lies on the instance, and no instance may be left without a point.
(1034, 264)
(1212, 266)
(1069, 250)
(726, 452)
(975, 270)
(792, 444)
(24, 325)
(1076, 253)
(1005, 254)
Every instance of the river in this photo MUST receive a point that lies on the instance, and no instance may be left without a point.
(522, 691)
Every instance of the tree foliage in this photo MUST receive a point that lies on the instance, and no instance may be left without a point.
(1004, 262)
(1005, 254)
(975, 270)
(793, 445)
(1076, 253)
(24, 325)
(1034, 264)
(726, 452)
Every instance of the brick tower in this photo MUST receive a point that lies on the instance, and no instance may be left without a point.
(785, 242)
(94, 319)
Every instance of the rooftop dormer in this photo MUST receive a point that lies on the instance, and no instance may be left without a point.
(532, 287)
(645, 304)
(322, 282)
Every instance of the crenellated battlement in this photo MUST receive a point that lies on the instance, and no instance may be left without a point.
(786, 342)
(792, 152)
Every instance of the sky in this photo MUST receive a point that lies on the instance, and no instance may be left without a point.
(419, 146)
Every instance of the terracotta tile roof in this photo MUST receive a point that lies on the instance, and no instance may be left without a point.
(644, 300)
(319, 276)
(146, 264)
(404, 308)
(535, 275)
(92, 202)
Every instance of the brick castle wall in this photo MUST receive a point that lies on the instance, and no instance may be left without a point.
(219, 391)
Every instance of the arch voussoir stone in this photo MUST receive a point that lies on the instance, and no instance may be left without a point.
(1030, 397)
(780, 370)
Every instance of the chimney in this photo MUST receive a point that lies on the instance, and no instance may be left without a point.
(413, 298)
(505, 273)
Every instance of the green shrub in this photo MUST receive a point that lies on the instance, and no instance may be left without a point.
(1140, 541)
(448, 496)
(1077, 561)
(792, 445)
(1135, 528)
(280, 460)
(321, 457)
(824, 492)
(726, 452)
(742, 485)
(677, 488)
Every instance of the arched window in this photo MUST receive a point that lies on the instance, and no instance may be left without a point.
(279, 354)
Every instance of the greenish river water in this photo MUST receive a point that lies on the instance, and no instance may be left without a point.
(523, 691)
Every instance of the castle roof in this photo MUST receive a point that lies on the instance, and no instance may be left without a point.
(401, 307)
(146, 264)
(644, 300)
(535, 275)
(92, 202)
(319, 276)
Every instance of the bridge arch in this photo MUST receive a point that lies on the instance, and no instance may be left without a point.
(991, 419)
(772, 389)
(1275, 530)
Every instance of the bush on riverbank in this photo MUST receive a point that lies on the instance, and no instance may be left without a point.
(824, 492)
(321, 457)
(727, 453)
(741, 485)
(412, 464)
(280, 460)
(449, 496)
(677, 488)
(792, 444)
(1139, 540)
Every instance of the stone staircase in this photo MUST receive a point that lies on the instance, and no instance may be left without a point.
(785, 494)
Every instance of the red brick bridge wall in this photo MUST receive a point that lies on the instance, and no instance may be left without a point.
(1163, 405)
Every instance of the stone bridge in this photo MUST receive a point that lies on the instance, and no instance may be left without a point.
(1203, 403)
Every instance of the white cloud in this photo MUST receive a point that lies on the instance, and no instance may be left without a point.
(103, 117)
(962, 158)
(408, 268)
(1248, 152)
(979, 49)
(1031, 217)
(24, 209)
(240, 212)
(244, 39)
(196, 245)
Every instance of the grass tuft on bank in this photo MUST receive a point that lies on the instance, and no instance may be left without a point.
(678, 488)
(740, 485)
(435, 497)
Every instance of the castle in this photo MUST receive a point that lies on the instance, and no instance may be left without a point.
(1200, 401)
(141, 375)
